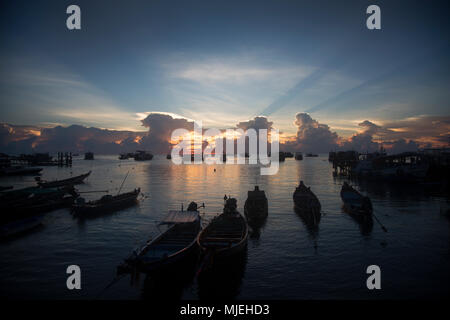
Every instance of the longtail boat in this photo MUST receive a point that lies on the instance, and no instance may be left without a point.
(256, 206)
(107, 203)
(354, 202)
(226, 234)
(173, 245)
(65, 182)
(307, 204)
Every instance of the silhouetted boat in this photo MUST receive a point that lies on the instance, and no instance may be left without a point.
(307, 204)
(298, 156)
(107, 203)
(24, 209)
(65, 182)
(311, 155)
(29, 195)
(256, 206)
(226, 235)
(171, 246)
(126, 156)
(354, 202)
(89, 156)
(20, 171)
(142, 156)
(288, 155)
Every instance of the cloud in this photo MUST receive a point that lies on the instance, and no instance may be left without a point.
(160, 127)
(256, 123)
(59, 95)
(312, 136)
(74, 138)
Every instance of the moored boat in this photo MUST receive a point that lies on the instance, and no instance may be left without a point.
(65, 182)
(173, 245)
(354, 202)
(307, 204)
(256, 205)
(20, 171)
(142, 156)
(107, 203)
(89, 156)
(298, 156)
(226, 235)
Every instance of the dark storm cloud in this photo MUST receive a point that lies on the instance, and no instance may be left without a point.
(160, 127)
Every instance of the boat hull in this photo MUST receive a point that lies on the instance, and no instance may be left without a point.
(223, 248)
(94, 209)
(66, 182)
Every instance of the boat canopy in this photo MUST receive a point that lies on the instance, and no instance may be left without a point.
(180, 217)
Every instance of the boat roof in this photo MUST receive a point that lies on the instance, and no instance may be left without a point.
(180, 217)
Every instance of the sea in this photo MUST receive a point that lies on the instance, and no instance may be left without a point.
(285, 258)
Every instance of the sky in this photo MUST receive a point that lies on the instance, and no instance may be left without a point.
(225, 62)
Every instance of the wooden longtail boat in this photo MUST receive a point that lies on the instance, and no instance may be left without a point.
(354, 202)
(107, 203)
(65, 182)
(256, 206)
(307, 204)
(171, 246)
(226, 234)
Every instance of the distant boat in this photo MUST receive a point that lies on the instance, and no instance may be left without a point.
(89, 156)
(171, 246)
(288, 154)
(311, 155)
(125, 156)
(226, 235)
(354, 202)
(20, 171)
(307, 204)
(298, 156)
(142, 156)
(107, 203)
(256, 206)
(65, 182)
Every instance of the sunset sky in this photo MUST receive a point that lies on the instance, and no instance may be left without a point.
(224, 62)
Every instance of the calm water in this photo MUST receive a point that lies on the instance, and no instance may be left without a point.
(287, 261)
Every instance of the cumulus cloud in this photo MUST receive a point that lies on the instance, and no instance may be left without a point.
(160, 127)
(75, 138)
(256, 123)
(312, 136)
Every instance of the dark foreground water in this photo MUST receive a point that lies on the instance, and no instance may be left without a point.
(286, 260)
